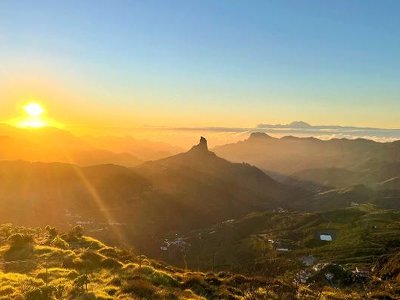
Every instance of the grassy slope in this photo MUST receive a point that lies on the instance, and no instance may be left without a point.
(70, 266)
(362, 234)
(39, 264)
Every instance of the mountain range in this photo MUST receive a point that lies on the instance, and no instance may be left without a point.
(248, 206)
(186, 191)
(292, 154)
(56, 145)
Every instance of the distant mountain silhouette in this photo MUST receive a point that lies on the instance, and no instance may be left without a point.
(143, 149)
(305, 125)
(292, 154)
(56, 145)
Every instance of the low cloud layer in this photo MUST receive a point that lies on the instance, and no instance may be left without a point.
(303, 129)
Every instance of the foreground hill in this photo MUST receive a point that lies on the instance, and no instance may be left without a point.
(44, 264)
(291, 154)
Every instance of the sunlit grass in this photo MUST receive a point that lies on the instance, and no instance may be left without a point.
(88, 269)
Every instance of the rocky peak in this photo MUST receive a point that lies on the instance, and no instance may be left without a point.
(201, 146)
(258, 136)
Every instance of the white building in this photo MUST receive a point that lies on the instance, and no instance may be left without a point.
(325, 237)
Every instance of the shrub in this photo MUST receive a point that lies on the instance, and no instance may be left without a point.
(213, 280)
(80, 283)
(51, 232)
(111, 290)
(57, 273)
(68, 262)
(161, 278)
(59, 243)
(91, 259)
(40, 293)
(197, 285)
(76, 231)
(111, 263)
(21, 248)
(91, 243)
(111, 252)
(140, 288)
(18, 241)
(340, 276)
(238, 280)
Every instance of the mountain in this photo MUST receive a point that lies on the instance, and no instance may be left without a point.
(292, 154)
(295, 124)
(142, 204)
(215, 186)
(56, 145)
(143, 149)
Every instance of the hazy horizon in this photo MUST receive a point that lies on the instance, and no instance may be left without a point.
(201, 64)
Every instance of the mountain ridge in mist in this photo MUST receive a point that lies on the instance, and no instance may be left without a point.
(51, 144)
(291, 154)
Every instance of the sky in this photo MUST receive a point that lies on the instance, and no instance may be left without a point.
(133, 64)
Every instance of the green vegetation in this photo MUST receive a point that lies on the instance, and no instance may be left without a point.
(45, 264)
(361, 235)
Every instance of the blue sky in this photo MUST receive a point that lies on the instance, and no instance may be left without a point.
(217, 63)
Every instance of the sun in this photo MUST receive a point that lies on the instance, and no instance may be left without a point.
(34, 109)
(34, 118)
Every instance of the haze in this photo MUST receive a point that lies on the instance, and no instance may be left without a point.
(123, 67)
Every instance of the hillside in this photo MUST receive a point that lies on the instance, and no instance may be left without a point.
(292, 154)
(45, 264)
(338, 172)
(278, 241)
(381, 175)
(219, 185)
(186, 191)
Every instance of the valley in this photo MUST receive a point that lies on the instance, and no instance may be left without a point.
(198, 211)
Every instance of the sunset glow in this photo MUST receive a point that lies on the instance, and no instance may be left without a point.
(34, 118)
(34, 109)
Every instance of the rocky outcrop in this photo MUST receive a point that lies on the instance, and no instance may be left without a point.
(201, 146)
